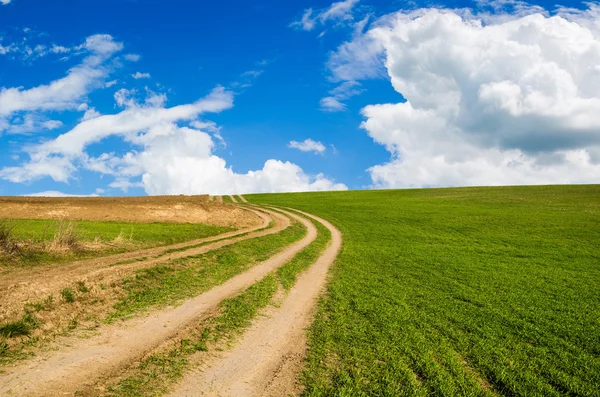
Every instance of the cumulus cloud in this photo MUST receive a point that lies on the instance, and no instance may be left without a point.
(165, 158)
(308, 145)
(5, 2)
(491, 99)
(338, 12)
(138, 75)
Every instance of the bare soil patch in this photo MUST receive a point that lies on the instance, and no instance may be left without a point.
(176, 209)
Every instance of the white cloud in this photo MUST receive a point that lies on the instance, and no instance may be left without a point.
(58, 49)
(344, 91)
(492, 99)
(338, 12)
(165, 158)
(132, 57)
(5, 2)
(138, 75)
(330, 104)
(308, 145)
(64, 93)
(55, 193)
(30, 124)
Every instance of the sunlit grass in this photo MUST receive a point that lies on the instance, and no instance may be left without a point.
(473, 291)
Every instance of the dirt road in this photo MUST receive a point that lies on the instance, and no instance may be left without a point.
(77, 365)
(242, 198)
(269, 357)
(35, 284)
(233, 199)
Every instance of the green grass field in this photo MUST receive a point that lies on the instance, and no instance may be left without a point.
(115, 236)
(470, 292)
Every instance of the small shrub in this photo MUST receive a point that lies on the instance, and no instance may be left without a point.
(68, 295)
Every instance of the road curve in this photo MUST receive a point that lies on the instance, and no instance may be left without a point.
(84, 363)
(269, 357)
(35, 284)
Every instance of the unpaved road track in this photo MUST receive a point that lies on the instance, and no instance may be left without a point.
(269, 357)
(242, 198)
(36, 284)
(233, 199)
(80, 364)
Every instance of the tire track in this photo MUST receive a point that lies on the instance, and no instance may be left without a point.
(270, 355)
(233, 199)
(242, 198)
(36, 284)
(85, 363)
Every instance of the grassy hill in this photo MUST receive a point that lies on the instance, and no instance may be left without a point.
(470, 291)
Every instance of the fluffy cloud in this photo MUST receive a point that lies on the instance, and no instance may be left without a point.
(308, 145)
(5, 2)
(64, 93)
(490, 99)
(165, 158)
(337, 12)
(138, 75)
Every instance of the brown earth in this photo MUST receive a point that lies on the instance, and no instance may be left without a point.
(176, 209)
(78, 365)
(270, 355)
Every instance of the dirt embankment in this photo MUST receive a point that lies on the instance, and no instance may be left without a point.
(176, 209)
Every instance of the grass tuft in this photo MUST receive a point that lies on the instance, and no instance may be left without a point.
(68, 295)
(8, 243)
(66, 236)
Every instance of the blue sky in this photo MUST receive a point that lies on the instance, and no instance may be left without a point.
(284, 72)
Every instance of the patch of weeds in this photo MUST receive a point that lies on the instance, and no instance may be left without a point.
(73, 323)
(15, 328)
(43, 305)
(22, 327)
(81, 287)
(68, 295)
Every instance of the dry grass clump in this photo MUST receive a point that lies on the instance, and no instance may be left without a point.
(8, 244)
(65, 237)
